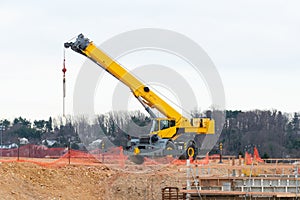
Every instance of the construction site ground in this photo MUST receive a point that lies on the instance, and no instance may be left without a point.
(22, 180)
(25, 180)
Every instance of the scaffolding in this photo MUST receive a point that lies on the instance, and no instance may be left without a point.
(274, 180)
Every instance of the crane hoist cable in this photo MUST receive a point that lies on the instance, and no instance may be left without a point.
(64, 82)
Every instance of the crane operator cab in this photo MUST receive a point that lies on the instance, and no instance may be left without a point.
(161, 124)
(163, 127)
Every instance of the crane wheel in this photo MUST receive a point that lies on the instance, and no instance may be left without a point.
(191, 152)
(170, 146)
(137, 159)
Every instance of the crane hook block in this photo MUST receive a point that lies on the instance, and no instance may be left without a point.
(79, 45)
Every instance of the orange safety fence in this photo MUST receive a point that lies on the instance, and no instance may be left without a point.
(33, 151)
(55, 157)
(214, 157)
(204, 161)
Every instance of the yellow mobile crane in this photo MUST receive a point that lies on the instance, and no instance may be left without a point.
(173, 134)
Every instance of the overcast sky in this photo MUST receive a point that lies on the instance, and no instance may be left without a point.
(254, 44)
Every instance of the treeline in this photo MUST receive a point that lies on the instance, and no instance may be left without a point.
(37, 131)
(79, 131)
(276, 134)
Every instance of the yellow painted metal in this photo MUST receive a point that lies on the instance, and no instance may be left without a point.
(136, 86)
(208, 128)
(190, 152)
(136, 151)
(200, 126)
(167, 133)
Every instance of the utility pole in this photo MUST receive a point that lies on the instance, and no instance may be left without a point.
(2, 128)
(19, 143)
(64, 84)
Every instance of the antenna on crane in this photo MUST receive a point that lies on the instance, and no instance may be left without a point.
(64, 83)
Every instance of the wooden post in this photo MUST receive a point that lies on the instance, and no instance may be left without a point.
(28, 150)
(221, 151)
(240, 163)
(69, 151)
(233, 164)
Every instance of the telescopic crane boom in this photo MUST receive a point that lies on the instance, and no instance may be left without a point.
(167, 132)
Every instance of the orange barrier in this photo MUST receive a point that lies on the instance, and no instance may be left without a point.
(204, 161)
(33, 151)
(248, 158)
(56, 157)
(255, 159)
(214, 156)
(256, 155)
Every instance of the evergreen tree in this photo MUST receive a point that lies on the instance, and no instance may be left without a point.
(295, 122)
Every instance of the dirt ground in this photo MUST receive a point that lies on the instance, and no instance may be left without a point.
(30, 181)
(24, 180)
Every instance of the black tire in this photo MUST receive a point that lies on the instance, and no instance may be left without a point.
(170, 146)
(137, 159)
(190, 151)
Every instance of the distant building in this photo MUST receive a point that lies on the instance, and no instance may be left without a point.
(8, 146)
(95, 144)
(49, 143)
(23, 140)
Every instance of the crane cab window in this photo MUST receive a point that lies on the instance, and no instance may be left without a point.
(161, 124)
(166, 124)
(155, 125)
(172, 123)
